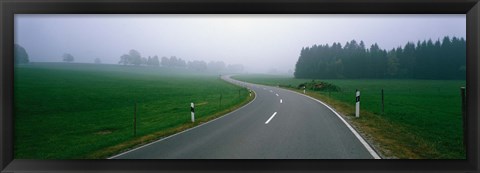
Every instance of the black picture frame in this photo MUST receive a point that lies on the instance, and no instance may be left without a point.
(8, 8)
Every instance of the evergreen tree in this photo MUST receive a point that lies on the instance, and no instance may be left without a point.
(20, 55)
(68, 57)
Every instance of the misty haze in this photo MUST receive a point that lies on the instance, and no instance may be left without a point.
(177, 86)
(261, 43)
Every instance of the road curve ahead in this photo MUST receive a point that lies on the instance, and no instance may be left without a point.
(277, 124)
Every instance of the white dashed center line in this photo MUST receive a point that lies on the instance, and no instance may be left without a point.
(271, 117)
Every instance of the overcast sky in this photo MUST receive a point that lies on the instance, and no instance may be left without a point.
(259, 42)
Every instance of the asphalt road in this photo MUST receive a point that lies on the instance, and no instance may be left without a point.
(277, 124)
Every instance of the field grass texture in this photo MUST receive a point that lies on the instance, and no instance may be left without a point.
(78, 111)
(422, 119)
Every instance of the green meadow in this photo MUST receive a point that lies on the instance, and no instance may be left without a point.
(85, 111)
(422, 119)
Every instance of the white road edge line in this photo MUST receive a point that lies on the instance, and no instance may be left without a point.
(276, 94)
(360, 138)
(184, 130)
(271, 118)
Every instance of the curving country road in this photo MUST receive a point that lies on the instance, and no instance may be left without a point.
(277, 124)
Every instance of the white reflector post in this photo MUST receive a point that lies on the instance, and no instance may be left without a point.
(192, 109)
(357, 105)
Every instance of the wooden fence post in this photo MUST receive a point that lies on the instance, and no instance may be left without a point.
(383, 103)
(464, 116)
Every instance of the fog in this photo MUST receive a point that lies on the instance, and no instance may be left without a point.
(262, 43)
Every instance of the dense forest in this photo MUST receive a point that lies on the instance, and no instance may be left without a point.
(445, 59)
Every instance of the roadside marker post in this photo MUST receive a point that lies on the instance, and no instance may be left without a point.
(220, 105)
(135, 119)
(303, 89)
(192, 109)
(250, 92)
(357, 104)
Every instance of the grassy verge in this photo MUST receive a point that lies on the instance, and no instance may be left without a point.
(78, 111)
(421, 120)
(110, 151)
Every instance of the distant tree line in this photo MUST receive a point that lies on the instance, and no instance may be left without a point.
(21, 55)
(173, 61)
(444, 59)
(134, 58)
(215, 66)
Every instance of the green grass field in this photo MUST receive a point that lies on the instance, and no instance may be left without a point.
(422, 118)
(75, 111)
